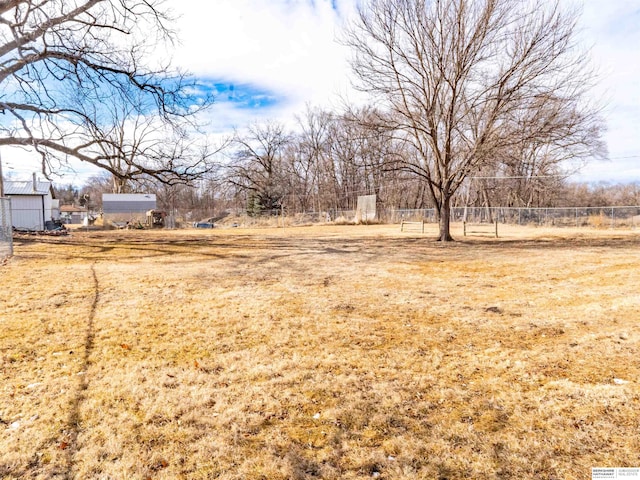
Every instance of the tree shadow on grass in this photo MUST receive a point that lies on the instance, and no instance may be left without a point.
(546, 243)
(69, 442)
(263, 248)
(74, 422)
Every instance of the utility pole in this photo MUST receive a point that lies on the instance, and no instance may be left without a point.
(1, 179)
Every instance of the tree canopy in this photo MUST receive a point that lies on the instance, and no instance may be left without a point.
(69, 69)
(474, 83)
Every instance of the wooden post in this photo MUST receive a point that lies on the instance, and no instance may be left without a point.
(613, 218)
(496, 228)
(464, 229)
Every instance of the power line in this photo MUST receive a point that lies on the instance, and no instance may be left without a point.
(512, 177)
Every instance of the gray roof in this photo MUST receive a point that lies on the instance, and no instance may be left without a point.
(12, 187)
(128, 197)
(128, 202)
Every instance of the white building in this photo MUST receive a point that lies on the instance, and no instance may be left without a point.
(31, 203)
(74, 215)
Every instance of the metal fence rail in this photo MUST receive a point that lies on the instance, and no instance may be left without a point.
(602, 217)
(6, 233)
(599, 217)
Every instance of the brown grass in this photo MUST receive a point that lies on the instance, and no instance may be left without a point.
(334, 352)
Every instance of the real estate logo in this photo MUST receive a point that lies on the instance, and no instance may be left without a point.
(615, 473)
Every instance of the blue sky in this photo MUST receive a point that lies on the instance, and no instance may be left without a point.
(267, 59)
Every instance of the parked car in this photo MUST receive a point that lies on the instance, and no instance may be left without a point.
(203, 225)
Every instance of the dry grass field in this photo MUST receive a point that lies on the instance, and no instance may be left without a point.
(320, 352)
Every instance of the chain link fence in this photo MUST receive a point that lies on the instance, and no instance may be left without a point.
(6, 233)
(595, 217)
(598, 217)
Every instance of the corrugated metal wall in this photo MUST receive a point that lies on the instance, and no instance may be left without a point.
(128, 206)
(27, 212)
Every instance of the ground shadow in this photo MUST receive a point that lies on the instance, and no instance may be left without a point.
(270, 247)
(73, 423)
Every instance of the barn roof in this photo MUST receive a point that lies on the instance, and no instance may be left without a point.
(12, 187)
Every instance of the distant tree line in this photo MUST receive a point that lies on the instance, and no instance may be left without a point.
(327, 160)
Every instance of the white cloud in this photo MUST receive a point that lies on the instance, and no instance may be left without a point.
(286, 46)
(610, 29)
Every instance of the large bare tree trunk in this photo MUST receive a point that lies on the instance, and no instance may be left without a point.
(444, 220)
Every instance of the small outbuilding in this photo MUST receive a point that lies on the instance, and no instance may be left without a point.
(31, 203)
(73, 215)
(127, 207)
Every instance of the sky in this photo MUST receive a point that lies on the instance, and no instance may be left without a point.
(268, 59)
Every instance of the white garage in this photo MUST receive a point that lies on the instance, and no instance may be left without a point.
(31, 203)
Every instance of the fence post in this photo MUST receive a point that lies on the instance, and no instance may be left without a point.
(613, 218)
(6, 228)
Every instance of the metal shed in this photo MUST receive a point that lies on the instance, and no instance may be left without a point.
(31, 203)
(123, 206)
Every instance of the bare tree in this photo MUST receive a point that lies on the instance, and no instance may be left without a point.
(311, 166)
(135, 146)
(258, 168)
(62, 62)
(466, 80)
(93, 189)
